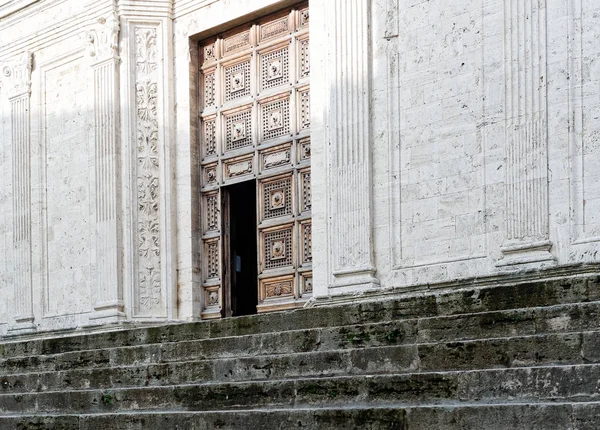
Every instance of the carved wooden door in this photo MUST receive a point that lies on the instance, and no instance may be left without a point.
(255, 124)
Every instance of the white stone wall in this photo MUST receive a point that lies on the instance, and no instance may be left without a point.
(486, 138)
(440, 189)
(450, 140)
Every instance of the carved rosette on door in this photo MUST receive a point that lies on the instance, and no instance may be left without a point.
(255, 125)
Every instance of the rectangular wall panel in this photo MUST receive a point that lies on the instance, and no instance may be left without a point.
(437, 189)
(68, 221)
(584, 61)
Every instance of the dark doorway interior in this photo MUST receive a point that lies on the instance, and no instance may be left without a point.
(242, 247)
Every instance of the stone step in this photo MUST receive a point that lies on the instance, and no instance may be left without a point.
(522, 351)
(555, 319)
(506, 416)
(467, 300)
(517, 351)
(550, 383)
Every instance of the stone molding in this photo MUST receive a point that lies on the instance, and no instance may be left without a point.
(153, 8)
(9, 7)
(185, 7)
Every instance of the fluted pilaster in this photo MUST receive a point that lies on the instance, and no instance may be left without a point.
(350, 177)
(16, 76)
(527, 219)
(103, 43)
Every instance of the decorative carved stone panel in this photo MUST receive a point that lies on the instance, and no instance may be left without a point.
(150, 294)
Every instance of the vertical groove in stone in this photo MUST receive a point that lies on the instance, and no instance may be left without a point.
(350, 179)
(17, 73)
(104, 51)
(526, 122)
(22, 205)
(576, 122)
(106, 107)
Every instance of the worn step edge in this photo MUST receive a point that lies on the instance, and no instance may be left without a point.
(468, 300)
(522, 351)
(513, 416)
(516, 351)
(539, 384)
(523, 321)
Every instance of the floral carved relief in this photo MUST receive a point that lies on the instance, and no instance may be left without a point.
(148, 170)
(145, 50)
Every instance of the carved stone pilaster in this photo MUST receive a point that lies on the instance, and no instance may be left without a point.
(149, 296)
(527, 218)
(16, 83)
(104, 53)
(350, 177)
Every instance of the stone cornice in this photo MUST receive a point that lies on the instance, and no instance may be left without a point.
(12, 6)
(146, 8)
(43, 19)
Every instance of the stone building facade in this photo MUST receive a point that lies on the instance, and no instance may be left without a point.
(168, 160)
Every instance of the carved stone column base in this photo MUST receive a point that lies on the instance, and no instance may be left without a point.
(525, 256)
(354, 281)
(23, 324)
(109, 312)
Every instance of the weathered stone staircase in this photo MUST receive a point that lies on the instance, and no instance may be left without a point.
(524, 356)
